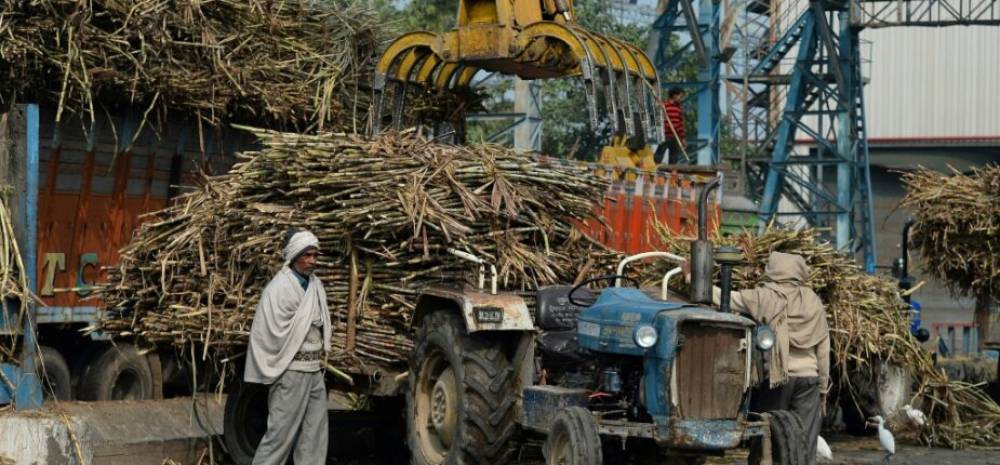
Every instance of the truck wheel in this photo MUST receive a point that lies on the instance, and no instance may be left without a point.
(54, 371)
(574, 439)
(787, 440)
(119, 373)
(245, 420)
(878, 391)
(460, 400)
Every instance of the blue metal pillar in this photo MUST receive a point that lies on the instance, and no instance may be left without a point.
(699, 44)
(28, 393)
(788, 124)
(709, 113)
(845, 137)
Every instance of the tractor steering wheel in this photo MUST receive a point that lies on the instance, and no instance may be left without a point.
(607, 277)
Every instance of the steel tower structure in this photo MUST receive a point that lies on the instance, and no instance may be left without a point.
(800, 106)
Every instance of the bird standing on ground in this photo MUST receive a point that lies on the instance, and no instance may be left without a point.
(916, 416)
(823, 449)
(885, 438)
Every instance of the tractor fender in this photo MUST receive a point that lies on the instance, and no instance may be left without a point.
(470, 304)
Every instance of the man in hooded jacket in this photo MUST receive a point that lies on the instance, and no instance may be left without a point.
(289, 338)
(799, 363)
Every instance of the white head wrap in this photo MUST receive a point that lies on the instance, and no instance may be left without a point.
(299, 242)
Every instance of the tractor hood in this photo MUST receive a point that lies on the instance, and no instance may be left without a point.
(609, 325)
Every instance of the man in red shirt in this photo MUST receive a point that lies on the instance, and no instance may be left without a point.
(673, 127)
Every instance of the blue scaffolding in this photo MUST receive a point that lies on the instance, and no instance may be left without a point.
(798, 72)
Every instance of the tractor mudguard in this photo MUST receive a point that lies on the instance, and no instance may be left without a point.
(481, 311)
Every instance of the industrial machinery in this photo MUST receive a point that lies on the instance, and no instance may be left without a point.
(625, 157)
(615, 375)
(530, 39)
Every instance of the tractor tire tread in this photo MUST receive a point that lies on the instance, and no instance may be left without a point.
(487, 422)
(584, 439)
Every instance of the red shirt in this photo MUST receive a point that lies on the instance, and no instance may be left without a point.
(675, 116)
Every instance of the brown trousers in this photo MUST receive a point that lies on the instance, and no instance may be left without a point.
(799, 395)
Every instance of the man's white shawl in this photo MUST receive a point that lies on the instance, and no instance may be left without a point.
(283, 317)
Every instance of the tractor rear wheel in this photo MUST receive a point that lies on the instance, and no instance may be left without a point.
(461, 395)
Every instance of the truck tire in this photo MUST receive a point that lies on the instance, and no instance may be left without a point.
(461, 396)
(882, 390)
(245, 420)
(574, 439)
(118, 373)
(54, 371)
(788, 445)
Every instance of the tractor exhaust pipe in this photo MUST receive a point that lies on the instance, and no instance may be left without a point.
(701, 251)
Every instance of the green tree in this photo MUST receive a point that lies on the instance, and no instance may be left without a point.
(418, 15)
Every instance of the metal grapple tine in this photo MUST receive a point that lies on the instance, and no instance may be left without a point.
(398, 100)
(379, 102)
(607, 73)
(590, 92)
(587, 73)
(609, 96)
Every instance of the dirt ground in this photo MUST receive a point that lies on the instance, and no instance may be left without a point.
(846, 451)
(863, 451)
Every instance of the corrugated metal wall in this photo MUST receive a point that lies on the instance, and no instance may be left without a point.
(933, 82)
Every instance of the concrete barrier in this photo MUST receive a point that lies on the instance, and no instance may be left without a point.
(112, 433)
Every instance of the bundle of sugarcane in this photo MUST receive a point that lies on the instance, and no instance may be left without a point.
(15, 295)
(295, 64)
(957, 226)
(386, 211)
(869, 324)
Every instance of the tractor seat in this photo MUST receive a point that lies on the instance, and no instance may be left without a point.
(556, 316)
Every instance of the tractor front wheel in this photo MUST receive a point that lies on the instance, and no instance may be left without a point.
(574, 439)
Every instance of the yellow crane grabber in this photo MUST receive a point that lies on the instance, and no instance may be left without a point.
(531, 39)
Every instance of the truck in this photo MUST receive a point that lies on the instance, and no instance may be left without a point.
(90, 186)
(80, 189)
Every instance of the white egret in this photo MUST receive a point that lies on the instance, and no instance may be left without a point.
(916, 416)
(823, 449)
(885, 438)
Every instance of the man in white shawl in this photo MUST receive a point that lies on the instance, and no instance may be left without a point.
(289, 339)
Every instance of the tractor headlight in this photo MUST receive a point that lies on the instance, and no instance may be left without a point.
(764, 337)
(645, 336)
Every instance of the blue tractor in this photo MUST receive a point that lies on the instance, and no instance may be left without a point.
(619, 375)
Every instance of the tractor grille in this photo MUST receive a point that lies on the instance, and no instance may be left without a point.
(710, 371)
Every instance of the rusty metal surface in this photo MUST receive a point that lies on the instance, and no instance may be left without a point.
(542, 403)
(711, 371)
(704, 435)
(987, 315)
(516, 316)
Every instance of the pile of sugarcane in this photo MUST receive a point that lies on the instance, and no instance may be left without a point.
(14, 292)
(295, 64)
(957, 226)
(869, 324)
(386, 212)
